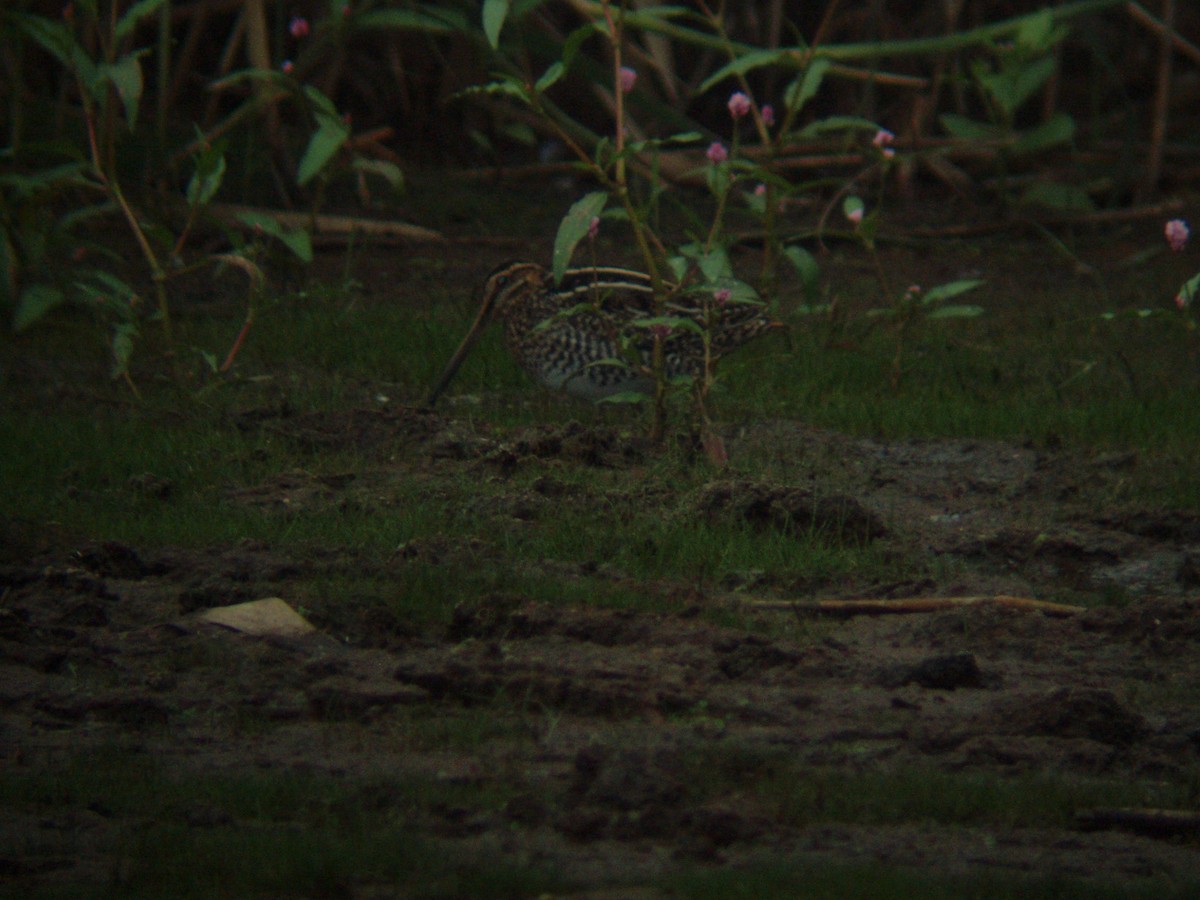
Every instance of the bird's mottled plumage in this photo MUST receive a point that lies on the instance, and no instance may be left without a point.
(561, 333)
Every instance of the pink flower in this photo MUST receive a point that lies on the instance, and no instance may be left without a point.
(768, 115)
(883, 140)
(1181, 301)
(739, 105)
(760, 190)
(287, 66)
(660, 331)
(628, 78)
(298, 27)
(855, 216)
(722, 295)
(593, 228)
(717, 153)
(1177, 233)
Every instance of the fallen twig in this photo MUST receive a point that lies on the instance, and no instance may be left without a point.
(874, 607)
(334, 227)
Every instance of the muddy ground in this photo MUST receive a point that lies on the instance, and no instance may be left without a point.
(99, 645)
(626, 744)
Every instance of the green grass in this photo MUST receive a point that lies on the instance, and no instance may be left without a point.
(278, 832)
(274, 833)
(802, 795)
(770, 878)
(889, 797)
(1044, 371)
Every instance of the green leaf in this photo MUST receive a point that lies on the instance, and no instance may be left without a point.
(806, 265)
(281, 82)
(381, 168)
(126, 76)
(297, 240)
(852, 206)
(551, 75)
(950, 289)
(806, 86)
(138, 11)
(1038, 33)
(1190, 290)
(739, 291)
(494, 14)
(320, 103)
(52, 36)
(755, 59)
(573, 228)
(299, 243)
(430, 20)
(837, 123)
(205, 184)
(1012, 87)
(1058, 129)
(1030, 78)
(575, 40)
(520, 132)
(626, 397)
(107, 290)
(508, 85)
(969, 129)
(953, 311)
(56, 39)
(52, 178)
(325, 142)
(35, 302)
(713, 263)
(124, 334)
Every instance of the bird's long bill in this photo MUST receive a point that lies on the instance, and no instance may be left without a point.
(477, 328)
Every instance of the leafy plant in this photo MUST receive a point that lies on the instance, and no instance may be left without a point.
(1014, 73)
(57, 192)
(625, 168)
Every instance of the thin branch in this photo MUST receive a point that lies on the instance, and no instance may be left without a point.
(871, 607)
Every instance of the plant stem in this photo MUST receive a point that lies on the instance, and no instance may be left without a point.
(110, 184)
(621, 184)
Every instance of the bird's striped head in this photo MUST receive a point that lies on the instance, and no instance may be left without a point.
(503, 292)
(506, 286)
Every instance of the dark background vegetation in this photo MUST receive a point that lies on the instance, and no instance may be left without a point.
(1111, 79)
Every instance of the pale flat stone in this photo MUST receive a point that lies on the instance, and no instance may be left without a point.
(271, 616)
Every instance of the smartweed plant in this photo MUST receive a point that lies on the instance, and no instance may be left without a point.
(56, 190)
(913, 304)
(1177, 232)
(632, 186)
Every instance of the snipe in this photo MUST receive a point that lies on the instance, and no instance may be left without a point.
(566, 336)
